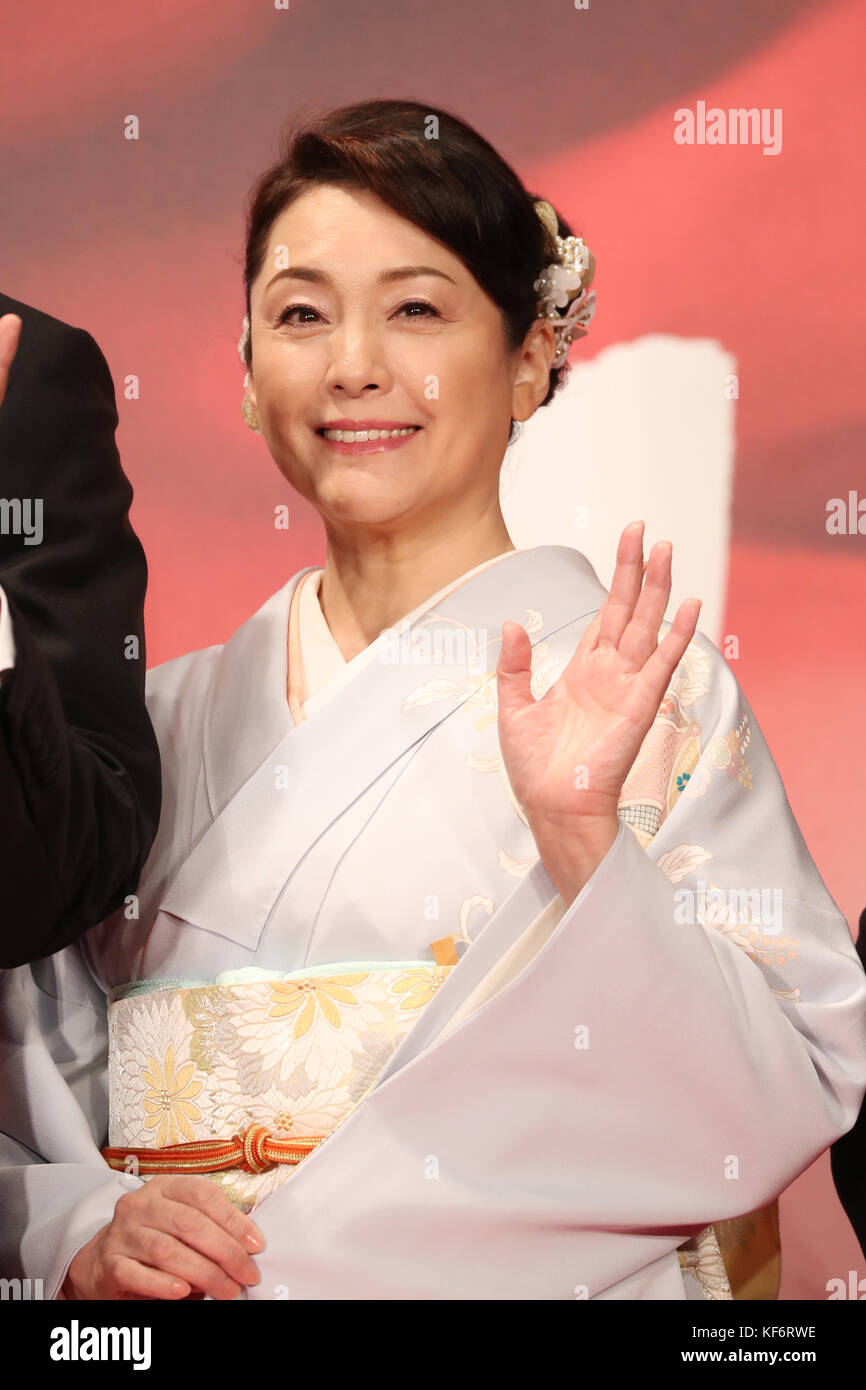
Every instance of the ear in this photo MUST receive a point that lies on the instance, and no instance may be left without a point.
(532, 375)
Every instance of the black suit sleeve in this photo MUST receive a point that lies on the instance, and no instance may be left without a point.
(79, 764)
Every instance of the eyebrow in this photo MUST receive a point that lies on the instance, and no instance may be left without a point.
(319, 277)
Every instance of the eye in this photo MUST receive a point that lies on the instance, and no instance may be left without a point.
(285, 316)
(428, 310)
(423, 308)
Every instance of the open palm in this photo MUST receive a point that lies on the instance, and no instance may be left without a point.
(569, 753)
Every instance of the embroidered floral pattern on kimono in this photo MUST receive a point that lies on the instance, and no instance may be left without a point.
(293, 1055)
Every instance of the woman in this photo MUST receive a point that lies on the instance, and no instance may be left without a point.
(425, 969)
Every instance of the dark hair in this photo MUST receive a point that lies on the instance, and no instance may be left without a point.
(455, 187)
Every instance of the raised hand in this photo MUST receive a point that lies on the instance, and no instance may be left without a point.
(568, 754)
(10, 331)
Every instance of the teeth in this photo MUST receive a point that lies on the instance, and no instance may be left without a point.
(359, 436)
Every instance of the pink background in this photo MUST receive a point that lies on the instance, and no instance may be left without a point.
(140, 242)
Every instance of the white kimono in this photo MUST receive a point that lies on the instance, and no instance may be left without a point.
(574, 1109)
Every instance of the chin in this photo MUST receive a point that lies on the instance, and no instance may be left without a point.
(356, 506)
(358, 515)
(362, 491)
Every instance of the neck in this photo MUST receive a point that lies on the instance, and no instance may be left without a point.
(367, 588)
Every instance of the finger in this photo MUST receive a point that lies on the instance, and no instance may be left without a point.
(658, 671)
(197, 1213)
(590, 634)
(625, 586)
(10, 331)
(514, 671)
(640, 638)
(129, 1278)
(194, 1228)
(211, 1200)
(162, 1251)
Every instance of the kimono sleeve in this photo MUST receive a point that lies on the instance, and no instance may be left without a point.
(56, 1191)
(687, 1039)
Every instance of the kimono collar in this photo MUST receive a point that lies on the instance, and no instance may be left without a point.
(248, 714)
(275, 787)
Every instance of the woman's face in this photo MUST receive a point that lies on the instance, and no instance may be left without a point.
(358, 316)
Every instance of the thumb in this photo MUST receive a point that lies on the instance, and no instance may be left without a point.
(514, 670)
(10, 331)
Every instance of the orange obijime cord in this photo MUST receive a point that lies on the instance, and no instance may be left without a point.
(253, 1150)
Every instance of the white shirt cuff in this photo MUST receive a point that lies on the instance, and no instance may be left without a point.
(7, 636)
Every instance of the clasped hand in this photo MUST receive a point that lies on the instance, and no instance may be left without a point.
(173, 1237)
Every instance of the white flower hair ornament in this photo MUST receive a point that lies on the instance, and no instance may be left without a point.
(563, 290)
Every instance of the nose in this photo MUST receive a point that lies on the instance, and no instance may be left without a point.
(357, 361)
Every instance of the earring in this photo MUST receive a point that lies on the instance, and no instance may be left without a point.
(248, 410)
(251, 416)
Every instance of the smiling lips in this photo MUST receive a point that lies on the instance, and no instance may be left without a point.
(367, 437)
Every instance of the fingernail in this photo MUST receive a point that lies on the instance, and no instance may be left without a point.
(254, 1241)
